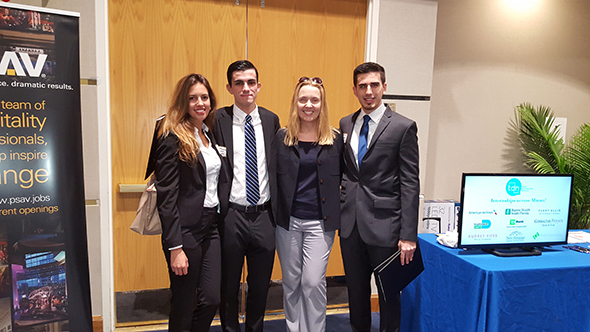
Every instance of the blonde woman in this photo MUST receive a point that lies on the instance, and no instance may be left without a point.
(188, 171)
(308, 205)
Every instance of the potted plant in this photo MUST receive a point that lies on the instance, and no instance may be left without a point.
(546, 152)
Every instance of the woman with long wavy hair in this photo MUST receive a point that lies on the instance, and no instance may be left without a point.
(188, 172)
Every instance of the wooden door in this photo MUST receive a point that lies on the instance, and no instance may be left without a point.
(288, 39)
(152, 45)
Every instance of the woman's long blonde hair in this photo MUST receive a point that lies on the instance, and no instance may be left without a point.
(177, 118)
(326, 133)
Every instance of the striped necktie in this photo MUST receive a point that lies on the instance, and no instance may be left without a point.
(252, 190)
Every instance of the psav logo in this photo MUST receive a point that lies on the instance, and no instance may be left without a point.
(513, 187)
(33, 70)
(484, 224)
(536, 235)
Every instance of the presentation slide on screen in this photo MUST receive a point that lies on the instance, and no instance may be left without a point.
(514, 209)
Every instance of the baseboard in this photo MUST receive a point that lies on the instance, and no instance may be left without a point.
(97, 323)
(374, 303)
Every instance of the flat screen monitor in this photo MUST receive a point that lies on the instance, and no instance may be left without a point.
(518, 211)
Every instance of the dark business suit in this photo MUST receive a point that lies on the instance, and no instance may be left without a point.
(249, 234)
(181, 193)
(379, 207)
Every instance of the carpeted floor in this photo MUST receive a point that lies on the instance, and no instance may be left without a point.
(334, 323)
(154, 305)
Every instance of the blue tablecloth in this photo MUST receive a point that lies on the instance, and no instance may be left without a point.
(476, 291)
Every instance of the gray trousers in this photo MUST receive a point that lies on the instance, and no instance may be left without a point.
(304, 250)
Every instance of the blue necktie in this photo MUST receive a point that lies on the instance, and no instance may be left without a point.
(252, 190)
(363, 139)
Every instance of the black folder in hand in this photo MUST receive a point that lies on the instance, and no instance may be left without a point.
(391, 276)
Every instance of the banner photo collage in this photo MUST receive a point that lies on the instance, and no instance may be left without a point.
(44, 284)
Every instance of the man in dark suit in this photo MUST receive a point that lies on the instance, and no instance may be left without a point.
(245, 132)
(379, 195)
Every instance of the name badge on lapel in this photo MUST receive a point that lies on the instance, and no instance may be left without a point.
(344, 137)
(222, 150)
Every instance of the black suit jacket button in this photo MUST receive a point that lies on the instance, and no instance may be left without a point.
(321, 181)
(323, 200)
(319, 162)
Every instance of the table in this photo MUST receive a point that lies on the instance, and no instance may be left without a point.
(476, 291)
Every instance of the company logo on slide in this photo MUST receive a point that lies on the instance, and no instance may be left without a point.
(517, 211)
(484, 224)
(483, 212)
(515, 236)
(549, 211)
(513, 187)
(33, 70)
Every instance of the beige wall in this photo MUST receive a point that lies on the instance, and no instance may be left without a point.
(405, 47)
(487, 61)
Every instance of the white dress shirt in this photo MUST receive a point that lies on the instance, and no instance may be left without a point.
(213, 166)
(238, 187)
(354, 138)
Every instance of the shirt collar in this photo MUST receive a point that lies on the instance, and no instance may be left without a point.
(241, 115)
(204, 128)
(375, 115)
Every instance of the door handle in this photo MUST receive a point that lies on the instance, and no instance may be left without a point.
(262, 3)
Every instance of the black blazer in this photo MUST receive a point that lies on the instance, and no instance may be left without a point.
(328, 167)
(224, 136)
(382, 197)
(181, 193)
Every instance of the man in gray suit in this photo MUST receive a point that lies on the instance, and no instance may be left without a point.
(379, 195)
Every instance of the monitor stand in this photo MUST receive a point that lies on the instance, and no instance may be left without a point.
(513, 252)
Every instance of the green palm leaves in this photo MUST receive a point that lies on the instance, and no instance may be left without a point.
(546, 153)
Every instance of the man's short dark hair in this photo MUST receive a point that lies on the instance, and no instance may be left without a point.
(368, 67)
(240, 65)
